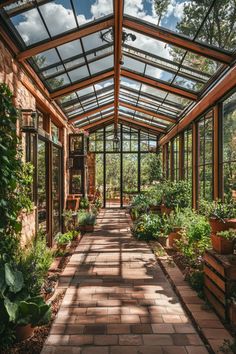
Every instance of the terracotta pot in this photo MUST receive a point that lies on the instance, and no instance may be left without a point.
(24, 332)
(231, 223)
(165, 210)
(87, 228)
(218, 225)
(173, 237)
(221, 245)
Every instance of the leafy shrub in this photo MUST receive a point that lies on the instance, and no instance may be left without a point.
(218, 209)
(195, 278)
(147, 227)
(68, 216)
(64, 239)
(16, 305)
(34, 263)
(228, 234)
(155, 195)
(84, 203)
(195, 239)
(86, 218)
(139, 205)
(177, 194)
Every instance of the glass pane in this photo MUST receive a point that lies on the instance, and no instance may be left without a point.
(30, 27)
(229, 173)
(46, 58)
(130, 177)
(78, 74)
(56, 189)
(101, 65)
(70, 49)
(112, 180)
(42, 186)
(89, 10)
(229, 128)
(58, 81)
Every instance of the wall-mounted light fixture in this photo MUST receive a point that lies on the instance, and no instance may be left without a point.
(29, 120)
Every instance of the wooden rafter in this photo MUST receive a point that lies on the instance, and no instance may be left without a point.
(118, 13)
(82, 84)
(5, 3)
(159, 85)
(146, 111)
(216, 93)
(65, 38)
(175, 39)
(99, 121)
(91, 112)
(142, 124)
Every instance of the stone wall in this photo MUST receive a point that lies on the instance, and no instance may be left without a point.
(28, 96)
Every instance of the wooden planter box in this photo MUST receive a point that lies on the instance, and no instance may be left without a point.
(222, 245)
(219, 277)
(218, 225)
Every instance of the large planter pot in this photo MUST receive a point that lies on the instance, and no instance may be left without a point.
(173, 237)
(218, 225)
(24, 332)
(222, 245)
(86, 228)
(165, 210)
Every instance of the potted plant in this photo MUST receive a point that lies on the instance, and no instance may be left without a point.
(84, 203)
(223, 241)
(87, 221)
(175, 194)
(147, 227)
(173, 226)
(19, 310)
(155, 194)
(221, 214)
(64, 240)
(139, 206)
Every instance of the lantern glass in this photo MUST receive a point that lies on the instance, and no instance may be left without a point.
(29, 120)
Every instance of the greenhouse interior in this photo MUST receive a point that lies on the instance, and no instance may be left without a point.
(117, 176)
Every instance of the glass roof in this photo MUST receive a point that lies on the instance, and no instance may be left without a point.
(70, 45)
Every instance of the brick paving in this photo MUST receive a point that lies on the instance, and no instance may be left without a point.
(118, 299)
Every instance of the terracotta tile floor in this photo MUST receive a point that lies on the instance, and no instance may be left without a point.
(118, 300)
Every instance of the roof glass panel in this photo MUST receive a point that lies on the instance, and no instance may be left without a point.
(58, 81)
(211, 22)
(70, 49)
(78, 74)
(89, 10)
(101, 64)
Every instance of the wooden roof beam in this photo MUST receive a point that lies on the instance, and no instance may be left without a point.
(146, 111)
(177, 40)
(6, 3)
(91, 112)
(142, 124)
(225, 85)
(159, 85)
(99, 121)
(118, 12)
(82, 84)
(65, 38)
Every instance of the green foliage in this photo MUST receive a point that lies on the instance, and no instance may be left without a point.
(218, 209)
(195, 239)
(139, 206)
(64, 239)
(68, 219)
(177, 194)
(154, 169)
(147, 227)
(228, 346)
(155, 195)
(175, 219)
(15, 177)
(34, 263)
(84, 203)
(196, 280)
(16, 305)
(86, 218)
(228, 235)
(161, 7)
(98, 203)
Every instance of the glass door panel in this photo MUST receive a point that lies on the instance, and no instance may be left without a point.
(112, 180)
(56, 190)
(130, 177)
(99, 176)
(42, 185)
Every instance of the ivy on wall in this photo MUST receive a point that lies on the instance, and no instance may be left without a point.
(15, 177)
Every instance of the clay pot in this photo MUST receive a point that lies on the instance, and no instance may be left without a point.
(173, 237)
(222, 245)
(218, 225)
(86, 228)
(165, 210)
(24, 332)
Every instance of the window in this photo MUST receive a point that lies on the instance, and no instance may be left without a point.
(229, 146)
(187, 172)
(176, 159)
(205, 157)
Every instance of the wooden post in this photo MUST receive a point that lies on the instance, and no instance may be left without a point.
(216, 165)
(194, 166)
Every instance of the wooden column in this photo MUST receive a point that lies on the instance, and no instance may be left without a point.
(216, 146)
(194, 166)
(181, 156)
(171, 157)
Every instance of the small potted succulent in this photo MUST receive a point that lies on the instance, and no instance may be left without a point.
(221, 215)
(223, 241)
(87, 221)
(64, 240)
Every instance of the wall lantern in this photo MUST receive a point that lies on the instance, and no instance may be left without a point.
(29, 120)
